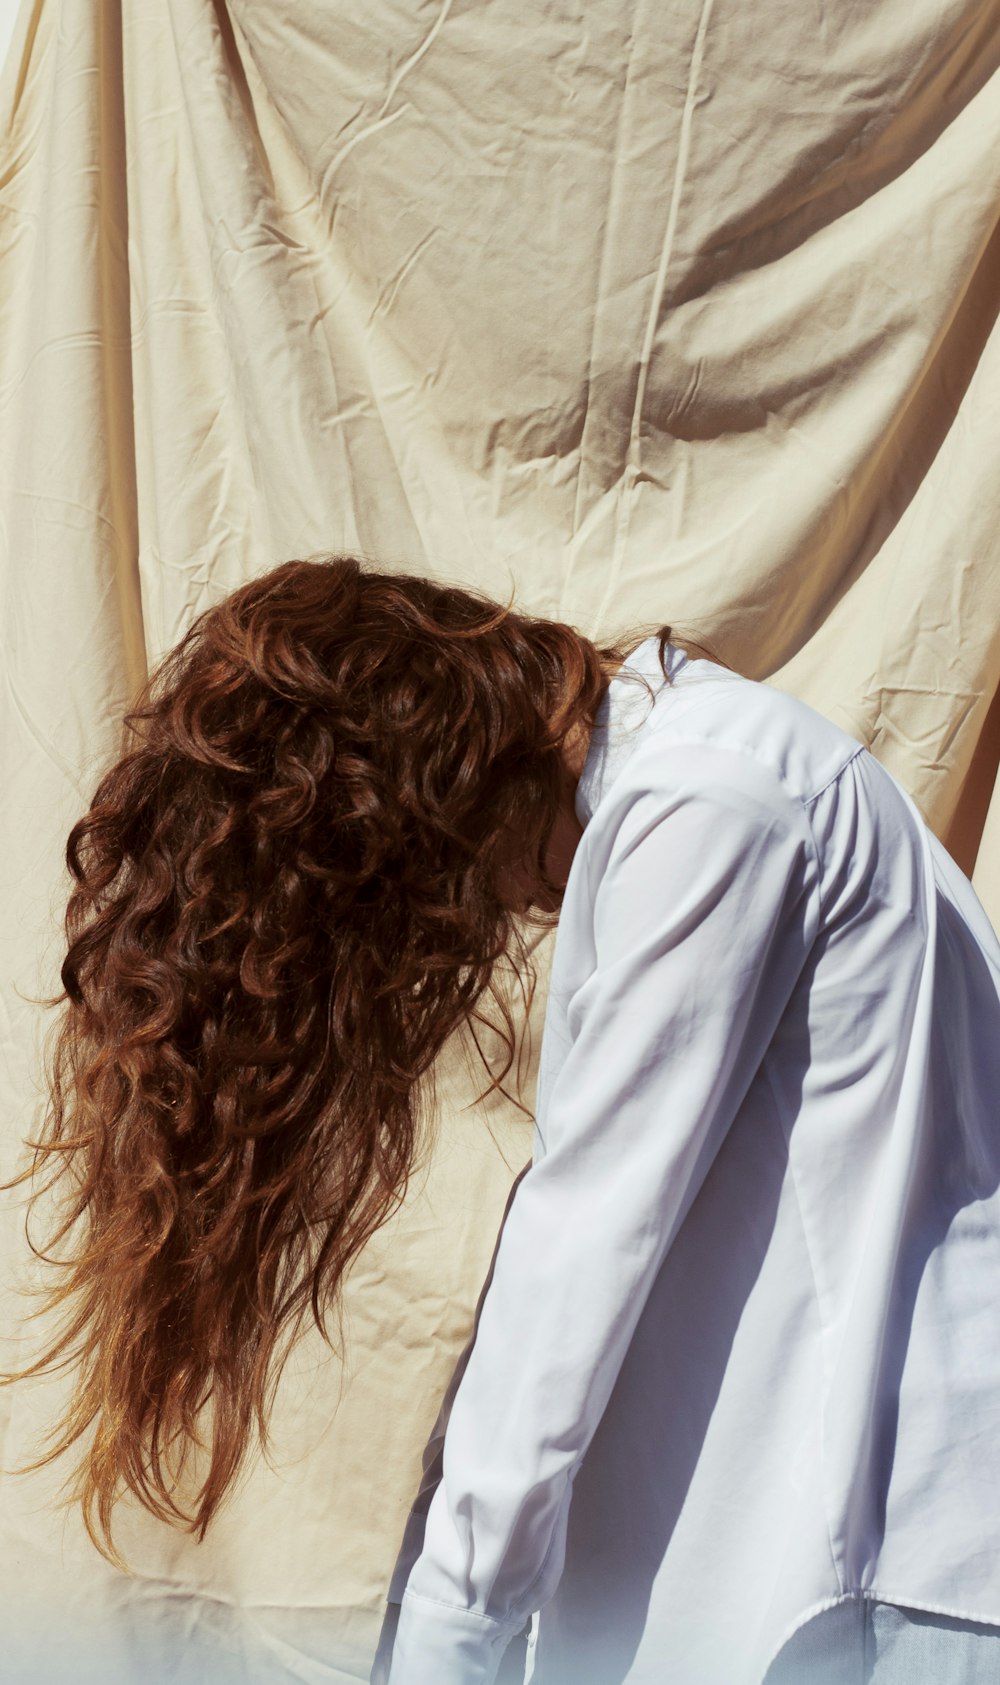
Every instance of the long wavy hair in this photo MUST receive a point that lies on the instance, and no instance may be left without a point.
(289, 891)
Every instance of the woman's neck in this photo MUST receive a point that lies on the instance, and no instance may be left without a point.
(566, 832)
(577, 740)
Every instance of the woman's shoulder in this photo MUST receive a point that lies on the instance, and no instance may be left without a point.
(717, 708)
(710, 723)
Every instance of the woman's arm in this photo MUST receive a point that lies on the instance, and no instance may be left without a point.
(703, 915)
(413, 1534)
(512, 1665)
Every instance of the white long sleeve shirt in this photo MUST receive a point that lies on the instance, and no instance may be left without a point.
(739, 1358)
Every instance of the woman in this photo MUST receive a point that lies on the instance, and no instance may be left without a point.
(743, 1307)
(732, 1406)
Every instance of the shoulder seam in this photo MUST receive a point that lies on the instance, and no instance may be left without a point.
(749, 753)
(807, 800)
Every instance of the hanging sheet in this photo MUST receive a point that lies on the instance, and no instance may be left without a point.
(645, 312)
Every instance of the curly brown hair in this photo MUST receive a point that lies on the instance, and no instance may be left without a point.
(289, 892)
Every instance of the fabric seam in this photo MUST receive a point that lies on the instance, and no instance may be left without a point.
(868, 1595)
(842, 1591)
(807, 801)
(463, 1614)
(650, 728)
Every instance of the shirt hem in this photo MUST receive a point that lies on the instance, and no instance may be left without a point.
(872, 1594)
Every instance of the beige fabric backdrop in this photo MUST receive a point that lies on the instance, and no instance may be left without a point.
(649, 312)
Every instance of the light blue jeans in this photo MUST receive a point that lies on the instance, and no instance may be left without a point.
(863, 1642)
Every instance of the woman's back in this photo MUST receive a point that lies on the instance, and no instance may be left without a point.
(770, 1379)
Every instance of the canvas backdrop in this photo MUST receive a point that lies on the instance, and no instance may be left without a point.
(684, 311)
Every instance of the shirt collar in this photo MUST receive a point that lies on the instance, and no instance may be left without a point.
(625, 707)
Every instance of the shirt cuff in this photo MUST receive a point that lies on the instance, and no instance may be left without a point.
(436, 1644)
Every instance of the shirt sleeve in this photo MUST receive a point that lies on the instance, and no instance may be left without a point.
(702, 899)
(431, 1465)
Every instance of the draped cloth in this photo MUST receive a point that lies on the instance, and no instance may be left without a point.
(634, 313)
